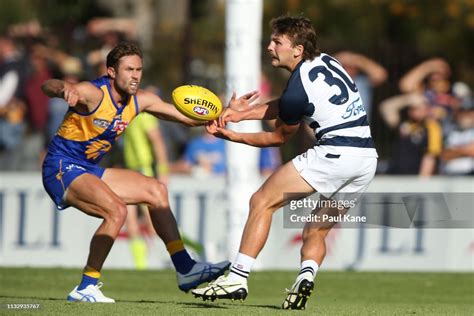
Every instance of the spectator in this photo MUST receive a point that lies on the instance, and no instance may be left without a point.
(96, 58)
(12, 107)
(432, 78)
(420, 137)
(104, 26)
(37, 105)
(206, 155)
(71, 70)
(203, 156)
(366, 74)
(432, 74)
(37, 102)
(458, 155)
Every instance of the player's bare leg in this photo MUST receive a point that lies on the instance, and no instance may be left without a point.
(270, 197)
(92, 196)
(314, 235)
(135, 188)
(313, 252)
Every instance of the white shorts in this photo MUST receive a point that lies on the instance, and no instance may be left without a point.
(329, 174)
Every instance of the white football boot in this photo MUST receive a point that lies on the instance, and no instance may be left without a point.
(91, 294)
(223, 287)
(201, 273)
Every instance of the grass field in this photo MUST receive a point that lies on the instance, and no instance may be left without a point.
(156, 293)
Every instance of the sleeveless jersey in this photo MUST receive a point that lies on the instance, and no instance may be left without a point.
(321, 93)
(88, 137)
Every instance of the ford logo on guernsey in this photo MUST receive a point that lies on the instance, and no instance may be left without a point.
(200, 110)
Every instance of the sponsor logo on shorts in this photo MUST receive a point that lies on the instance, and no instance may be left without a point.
(74, 166)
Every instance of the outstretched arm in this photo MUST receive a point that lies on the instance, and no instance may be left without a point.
(264, 111)
(80, 93)
(278, 137)
(153, 104)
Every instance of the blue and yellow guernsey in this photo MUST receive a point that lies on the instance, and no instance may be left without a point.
(88, 137)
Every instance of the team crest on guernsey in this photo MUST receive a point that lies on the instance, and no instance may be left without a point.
(119, 125)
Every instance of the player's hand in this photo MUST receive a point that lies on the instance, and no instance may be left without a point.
(72, 96)
(164, 179)
(228, 115)
(243, 103)
(212, 127)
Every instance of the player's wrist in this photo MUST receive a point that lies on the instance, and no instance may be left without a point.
(238, 116)
(163, 169)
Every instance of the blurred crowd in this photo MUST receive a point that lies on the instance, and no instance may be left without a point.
(433, 116)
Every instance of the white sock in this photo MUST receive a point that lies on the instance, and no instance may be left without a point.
(309, 268)
(241, 267)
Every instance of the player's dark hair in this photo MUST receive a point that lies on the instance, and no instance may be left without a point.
(300, 31)
(121, 50)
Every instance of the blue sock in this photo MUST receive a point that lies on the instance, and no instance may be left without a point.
(86, 281)
(182, 261)
(90, 276)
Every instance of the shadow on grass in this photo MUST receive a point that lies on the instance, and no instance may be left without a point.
(201, 305)
(225, 306)
(264, 306)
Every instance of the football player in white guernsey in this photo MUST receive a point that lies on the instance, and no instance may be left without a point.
(319, 93)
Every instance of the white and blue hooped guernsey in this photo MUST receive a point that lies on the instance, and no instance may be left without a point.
(321, 93)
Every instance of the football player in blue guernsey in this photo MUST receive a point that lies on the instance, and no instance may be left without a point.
(99, 112)
(342, 163)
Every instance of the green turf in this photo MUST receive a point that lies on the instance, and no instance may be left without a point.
(156, 293)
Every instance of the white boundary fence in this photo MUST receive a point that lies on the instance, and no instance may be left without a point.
(33, 233)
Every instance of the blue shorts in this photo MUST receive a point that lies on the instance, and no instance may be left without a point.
(59, 172)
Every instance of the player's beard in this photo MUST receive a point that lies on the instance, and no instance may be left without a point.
(129, 89)
(133, 90)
